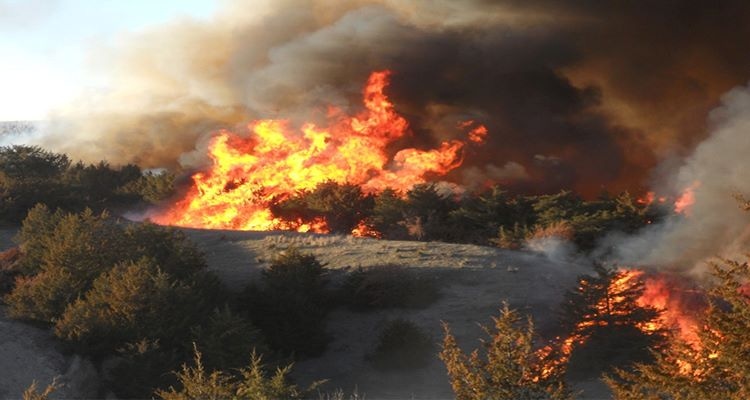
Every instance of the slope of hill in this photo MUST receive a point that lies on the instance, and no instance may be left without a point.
(473, 281)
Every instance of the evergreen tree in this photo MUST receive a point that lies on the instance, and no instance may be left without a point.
(291, 305)
(718, 366)
(388, 215)
(249, 383)
(509, 368)
(607, 325)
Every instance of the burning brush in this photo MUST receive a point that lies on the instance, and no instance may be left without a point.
(274, 162)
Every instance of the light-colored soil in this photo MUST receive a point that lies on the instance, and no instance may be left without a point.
(473, 281)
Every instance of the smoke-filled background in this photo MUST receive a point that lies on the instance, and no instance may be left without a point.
(582, 95)
(716, 224)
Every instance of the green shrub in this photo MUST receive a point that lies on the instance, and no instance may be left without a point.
(402, 345)
(249, 383)
(130, 302)
(169, 248)
(21, 161)
(341, 206)
(388, 286)
(42, 297)
(427, 213)
(30, 175)
(142, 367)
(508, 365)
(83, 242)
(291, 305)
(62, 255)
(152, 187)
(511, 238)
(226, 339)
(10, 269)
(388, 215)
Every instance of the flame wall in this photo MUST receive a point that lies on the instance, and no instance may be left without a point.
(576, 94)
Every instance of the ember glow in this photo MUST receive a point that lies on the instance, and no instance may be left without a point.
(682, 203)
(649, 198)
(275, 161)
(687, 198)
(678, 305)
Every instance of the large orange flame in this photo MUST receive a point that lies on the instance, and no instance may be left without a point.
(274, 162)
(677, 312)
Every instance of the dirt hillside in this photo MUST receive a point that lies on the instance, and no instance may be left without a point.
(474, 281)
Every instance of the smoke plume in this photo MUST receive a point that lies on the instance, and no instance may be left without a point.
(581, 94)
(715, 224)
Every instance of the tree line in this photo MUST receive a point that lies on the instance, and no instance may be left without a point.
(30, 175)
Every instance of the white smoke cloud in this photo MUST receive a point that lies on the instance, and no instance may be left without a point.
(715, 224)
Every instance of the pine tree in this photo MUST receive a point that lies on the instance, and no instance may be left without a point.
(607, 325)
(510, 368)
(718, 366)
(251, 383)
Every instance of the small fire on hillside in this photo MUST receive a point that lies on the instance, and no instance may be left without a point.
(678, 301)
(274, 162)
(675, 298)
(681, 204)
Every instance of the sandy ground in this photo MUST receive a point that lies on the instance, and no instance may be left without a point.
(474, 280)
(26, 353)
(29, 354)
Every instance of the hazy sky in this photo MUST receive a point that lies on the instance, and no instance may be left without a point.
(44, 45)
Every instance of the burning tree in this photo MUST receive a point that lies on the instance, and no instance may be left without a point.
(717, 365)
(337, 207)
(608, 324)
(511, 368)
(273, 161)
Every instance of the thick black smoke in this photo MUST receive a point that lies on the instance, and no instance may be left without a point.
(577, 94)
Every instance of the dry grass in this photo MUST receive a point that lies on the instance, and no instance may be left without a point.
(560, 230)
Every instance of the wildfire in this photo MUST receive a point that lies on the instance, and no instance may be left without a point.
(676, 306)
(687, 198)
(676, 303)
(682, 203)
(476, 134)
(649, 198)
(274, 162)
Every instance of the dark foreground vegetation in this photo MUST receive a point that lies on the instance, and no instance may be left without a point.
(30, 175)
(138, 300)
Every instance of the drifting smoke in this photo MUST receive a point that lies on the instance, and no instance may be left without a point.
(715, 224)
(578, 94)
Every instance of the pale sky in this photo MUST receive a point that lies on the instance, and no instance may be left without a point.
(44, 45)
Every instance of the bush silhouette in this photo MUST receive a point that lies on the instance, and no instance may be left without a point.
(402, 345)
(291, 304)
(130, 302)
(226, 339)
(250, 383)
(62, 255)
(508, 366)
